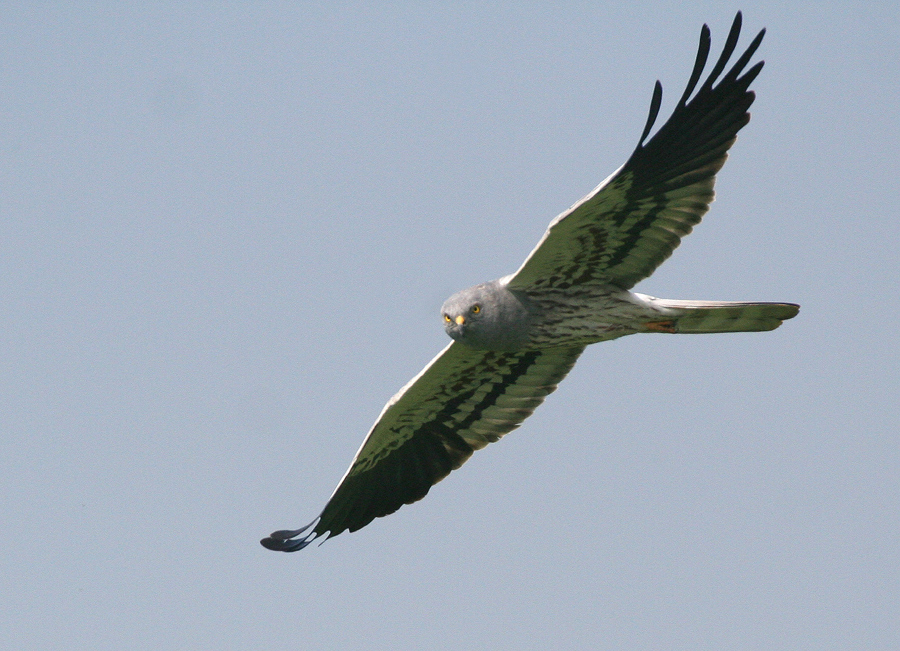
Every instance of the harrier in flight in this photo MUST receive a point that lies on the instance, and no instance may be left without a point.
(516, 338)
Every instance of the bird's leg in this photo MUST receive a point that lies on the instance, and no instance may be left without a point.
(661, 326)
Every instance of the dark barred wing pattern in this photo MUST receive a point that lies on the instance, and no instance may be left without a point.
(463, 400)
(623, 230)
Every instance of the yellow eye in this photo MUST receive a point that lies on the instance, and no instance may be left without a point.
(447, 318)
(476, 309)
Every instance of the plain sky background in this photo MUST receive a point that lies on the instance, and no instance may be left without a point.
(225, 234)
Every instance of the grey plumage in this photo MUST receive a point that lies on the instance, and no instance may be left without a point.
(494, 317)
(517, 337)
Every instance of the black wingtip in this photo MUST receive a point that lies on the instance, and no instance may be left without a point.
(699, 64)
(286, 540)
(287, 545)
(709, 85)
(655, 103)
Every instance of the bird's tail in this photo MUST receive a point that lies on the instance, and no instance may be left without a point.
(701, 317)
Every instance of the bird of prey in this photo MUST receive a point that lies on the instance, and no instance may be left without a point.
(516, 338)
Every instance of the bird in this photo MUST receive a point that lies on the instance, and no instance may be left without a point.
(515, 338)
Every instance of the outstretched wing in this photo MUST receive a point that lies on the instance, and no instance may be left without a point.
(463, 400)
(623, 230)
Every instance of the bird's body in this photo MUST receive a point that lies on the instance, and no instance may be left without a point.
(491, 316)
(517, 337)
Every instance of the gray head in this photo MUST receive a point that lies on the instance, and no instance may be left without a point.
(487, 317)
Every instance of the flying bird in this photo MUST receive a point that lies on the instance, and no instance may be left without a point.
(516, 338)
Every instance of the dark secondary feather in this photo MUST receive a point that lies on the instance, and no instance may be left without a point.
(462, 401)
(622, 231)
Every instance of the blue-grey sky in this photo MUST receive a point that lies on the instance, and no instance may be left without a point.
(225, 235)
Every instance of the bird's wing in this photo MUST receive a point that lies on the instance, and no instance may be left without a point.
(463, 400)
(623, 230)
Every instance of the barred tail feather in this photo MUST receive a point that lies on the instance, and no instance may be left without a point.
(702, 317)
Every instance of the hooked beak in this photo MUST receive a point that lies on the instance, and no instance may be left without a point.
(460, 320)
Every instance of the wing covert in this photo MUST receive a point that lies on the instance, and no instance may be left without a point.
(463, 400)
(629, 224)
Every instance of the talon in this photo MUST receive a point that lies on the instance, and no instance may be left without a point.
(661, 326)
